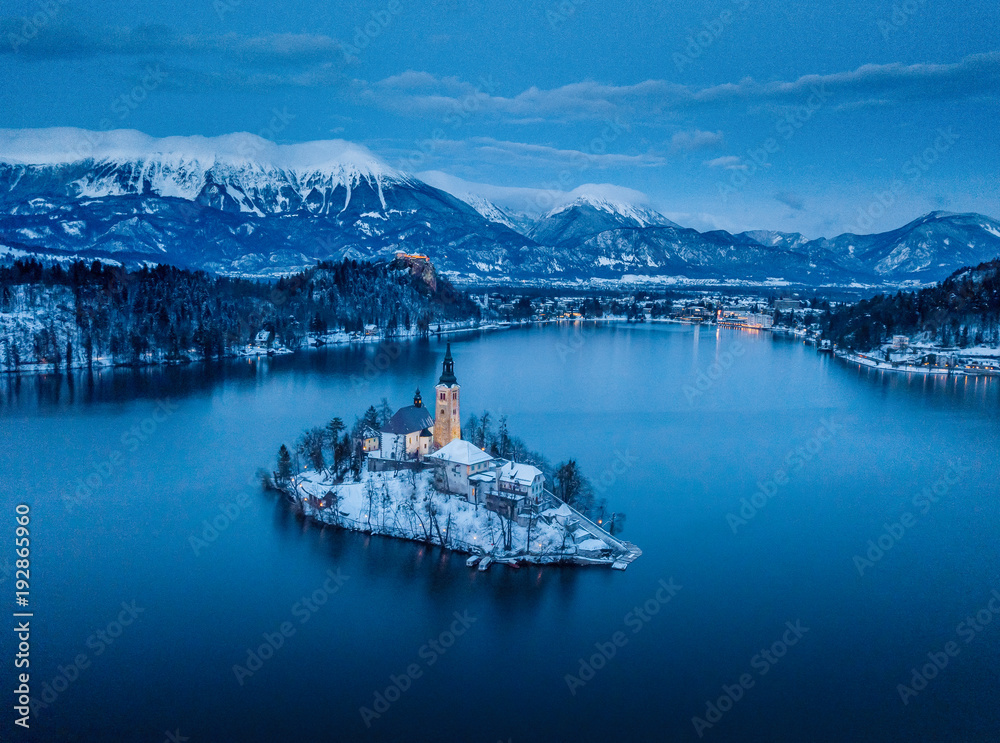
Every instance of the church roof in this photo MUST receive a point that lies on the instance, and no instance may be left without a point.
(460, 451)
(409, 420)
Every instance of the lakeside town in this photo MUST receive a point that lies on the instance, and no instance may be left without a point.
(415, 477)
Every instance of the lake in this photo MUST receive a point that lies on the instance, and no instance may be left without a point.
(781, 622)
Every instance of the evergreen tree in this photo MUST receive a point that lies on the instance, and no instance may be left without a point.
(572, 487)
(333, 431)
(384, 412)
(311, 445)
(284, 472)
(370, 418)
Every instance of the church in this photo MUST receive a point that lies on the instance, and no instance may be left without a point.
(414, 437)
(414, 432)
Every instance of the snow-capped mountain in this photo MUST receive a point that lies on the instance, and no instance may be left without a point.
(590, 215)
(934, 244)
(233, 204)
(517, 221)
(773, 239)
(238, 204)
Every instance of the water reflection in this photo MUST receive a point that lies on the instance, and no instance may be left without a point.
(362, 364)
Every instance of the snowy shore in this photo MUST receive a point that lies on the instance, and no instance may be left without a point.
(406, 505)
(961, 369)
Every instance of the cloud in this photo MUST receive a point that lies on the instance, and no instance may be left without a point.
(695, 139)
(729, 162)
(975, 76)
(198, 62)
(539, 158)
(701, 221)
(556, 156)
(306, 60)
(790, 199)
(275, 49)
(193, 78)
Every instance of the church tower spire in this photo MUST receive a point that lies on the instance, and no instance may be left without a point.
(448, 369)
(447, 423)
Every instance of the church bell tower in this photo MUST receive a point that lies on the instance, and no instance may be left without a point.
(447, 424)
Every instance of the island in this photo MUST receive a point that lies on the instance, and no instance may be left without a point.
(414, 477)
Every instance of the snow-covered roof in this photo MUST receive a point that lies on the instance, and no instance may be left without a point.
(592, 545)
(523, 474)
(563, 510)
(460, 451)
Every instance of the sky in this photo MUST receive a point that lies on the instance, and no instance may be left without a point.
(817, 118)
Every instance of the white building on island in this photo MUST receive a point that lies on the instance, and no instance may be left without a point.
(408, 433)
(456, 464)
(520, 480)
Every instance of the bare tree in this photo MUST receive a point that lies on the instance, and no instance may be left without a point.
(531, 523)
(370, 497)
(386, 502)
(432, 511)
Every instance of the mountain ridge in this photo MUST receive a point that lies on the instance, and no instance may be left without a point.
(241, 205)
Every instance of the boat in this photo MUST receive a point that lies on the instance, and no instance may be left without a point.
(485, 564)
(514, 564)
(473, 561)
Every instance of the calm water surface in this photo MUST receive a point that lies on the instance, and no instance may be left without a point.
(619, 399)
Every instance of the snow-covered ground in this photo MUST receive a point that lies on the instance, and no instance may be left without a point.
(406, 505)
(254, 350)
(339, 336)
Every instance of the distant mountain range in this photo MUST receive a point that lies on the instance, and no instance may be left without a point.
(240, 205)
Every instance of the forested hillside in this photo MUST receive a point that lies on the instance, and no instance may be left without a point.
(94, 312)
(961, 311)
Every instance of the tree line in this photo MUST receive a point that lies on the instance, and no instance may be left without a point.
(87, 311)
(960, 311)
